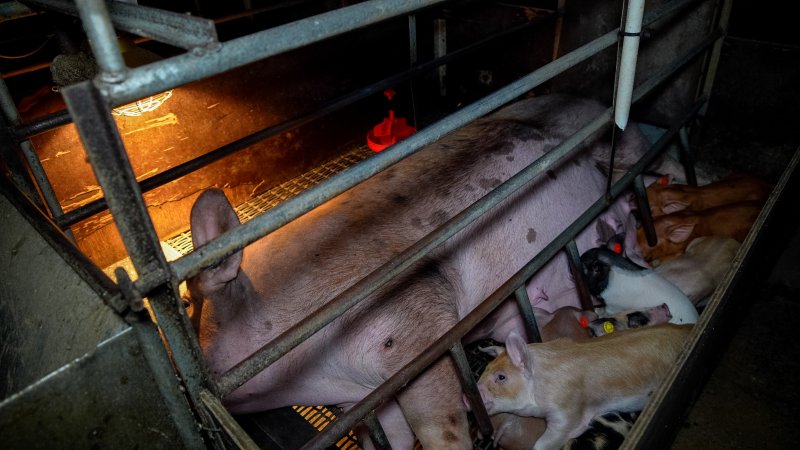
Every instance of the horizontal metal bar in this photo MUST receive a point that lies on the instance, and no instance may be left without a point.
(345, 422)
(192, 66)
(179, 30)
(146, 185)
(46, 123)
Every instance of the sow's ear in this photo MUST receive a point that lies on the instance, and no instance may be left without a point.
(211, 216)
(517, 350)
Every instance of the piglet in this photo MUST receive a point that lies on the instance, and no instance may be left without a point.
(556, 380)
(700, 269)
(675, 231)
(670, 198)
(629, 319)
(623, 285)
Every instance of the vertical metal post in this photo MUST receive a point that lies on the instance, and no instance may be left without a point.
(412, 40)
(376, 433)
(576, 269)
(713, 60)
(525, 308)
(439, 50)
(470, 389)
(558, 29)
(644, 210)
(17, 170)
(97, 24)
(111, 166)
(39, 175)
(686, 156)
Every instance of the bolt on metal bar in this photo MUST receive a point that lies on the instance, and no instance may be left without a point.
(576, 268)
(187, 167)
(111, 166)
(97, 24)
(376, 433)
(432, 353)
(528, 317)
(470, 387)
(179, 30)
(686, 157)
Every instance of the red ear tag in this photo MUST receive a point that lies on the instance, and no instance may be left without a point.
(584, 322)
(617, 248)
(663, 180)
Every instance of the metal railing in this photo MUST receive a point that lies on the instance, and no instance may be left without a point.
(89, 105)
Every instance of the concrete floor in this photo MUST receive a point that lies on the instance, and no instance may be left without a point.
(752, 400)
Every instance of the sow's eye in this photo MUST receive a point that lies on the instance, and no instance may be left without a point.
(500, 378)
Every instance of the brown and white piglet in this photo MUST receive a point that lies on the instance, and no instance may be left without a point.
(569, 382)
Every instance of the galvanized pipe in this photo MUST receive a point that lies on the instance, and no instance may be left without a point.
(97, 24)
(526, 311)
(396, 382)
(645, 215)
(576, 268)
(145, 80)
(686, 157)
(111, 166)
(94, 207)
(470, 388)
(376, 433)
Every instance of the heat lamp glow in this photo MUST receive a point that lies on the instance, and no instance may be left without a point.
(142, 106)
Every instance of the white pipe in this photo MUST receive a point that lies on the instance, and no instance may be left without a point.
(627, 63)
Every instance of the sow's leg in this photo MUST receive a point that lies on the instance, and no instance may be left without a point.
(415, 312)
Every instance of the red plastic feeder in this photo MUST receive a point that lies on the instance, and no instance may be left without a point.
(390, 131)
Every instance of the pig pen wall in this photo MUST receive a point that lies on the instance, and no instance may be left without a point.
(221, 120)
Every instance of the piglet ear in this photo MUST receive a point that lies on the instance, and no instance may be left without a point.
(517, 350)
(211, 216)
(492, 350)
(680, 233)
(674, 206)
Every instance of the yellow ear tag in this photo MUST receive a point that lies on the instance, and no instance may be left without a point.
(608, 327)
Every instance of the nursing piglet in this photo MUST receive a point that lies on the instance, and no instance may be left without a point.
(675, 231)
(670, 198)
(623, 285)
(554, 380)
(700, 269)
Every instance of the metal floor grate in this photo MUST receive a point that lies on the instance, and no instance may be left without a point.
(261, 203)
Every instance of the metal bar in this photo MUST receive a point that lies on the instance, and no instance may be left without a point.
(179, 30)
(577, 275)
(16, 169)
(89, 209)
(178, 70)
(412, 40)
(44, 124)
(237, 238)
(528, 317)
(166, 382)
(232, 428)
(470, 387)
(111, 166)
(439, 50)
(230, 242)
(686, 157)
(97, 24)
(376, 433)
(431, 354)
(645, 215)
(713, 63)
